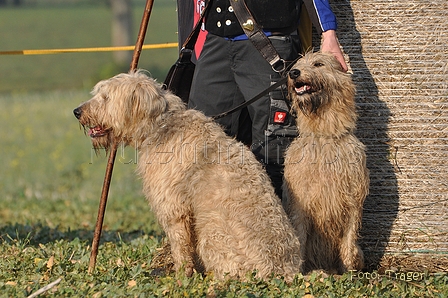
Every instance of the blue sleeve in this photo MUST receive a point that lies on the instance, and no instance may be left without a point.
(321, 15)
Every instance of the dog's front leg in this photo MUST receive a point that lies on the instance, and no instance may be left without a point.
(352, 257)
(301, 225)
(181, 237)
(298, 219)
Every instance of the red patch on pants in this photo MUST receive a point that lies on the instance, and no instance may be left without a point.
(279, 117)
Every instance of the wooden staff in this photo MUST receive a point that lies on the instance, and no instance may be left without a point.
(114, 146)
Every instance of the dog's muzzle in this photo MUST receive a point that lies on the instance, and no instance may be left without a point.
(77, 112)
(300, 86)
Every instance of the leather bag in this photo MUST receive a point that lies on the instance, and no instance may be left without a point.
(179, 77)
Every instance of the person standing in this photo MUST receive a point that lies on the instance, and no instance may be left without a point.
(230, 70)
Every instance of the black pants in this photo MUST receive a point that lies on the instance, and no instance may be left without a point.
(231, 72)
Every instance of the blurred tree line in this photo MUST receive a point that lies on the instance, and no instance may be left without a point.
(13, 2)
(121, 25)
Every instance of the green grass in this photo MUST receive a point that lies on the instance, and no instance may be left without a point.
(74, 26)
(50, 185)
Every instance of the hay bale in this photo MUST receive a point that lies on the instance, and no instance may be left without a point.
(398, 54)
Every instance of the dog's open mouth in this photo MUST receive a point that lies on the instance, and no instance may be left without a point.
(97, 131)
(302, 88)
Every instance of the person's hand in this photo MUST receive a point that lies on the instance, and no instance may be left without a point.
(330, 45)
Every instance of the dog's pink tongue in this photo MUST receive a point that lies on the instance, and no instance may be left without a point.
(303, 89)
(94, 130)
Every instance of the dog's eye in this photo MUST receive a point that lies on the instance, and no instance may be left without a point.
(318, 64)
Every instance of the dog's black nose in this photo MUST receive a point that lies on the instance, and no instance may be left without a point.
(77, 113)
(294, 73)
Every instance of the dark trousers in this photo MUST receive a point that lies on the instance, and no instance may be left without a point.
(231, 72)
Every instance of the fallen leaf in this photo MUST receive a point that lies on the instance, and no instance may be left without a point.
(50, 262)
(132, 283)
(11, 283)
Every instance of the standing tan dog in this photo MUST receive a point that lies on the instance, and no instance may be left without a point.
(209, 193)
(326, 179)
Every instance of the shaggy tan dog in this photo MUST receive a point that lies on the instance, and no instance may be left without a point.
(209, 193)
(325, 179)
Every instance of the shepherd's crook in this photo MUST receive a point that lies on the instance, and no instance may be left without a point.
(113, 149)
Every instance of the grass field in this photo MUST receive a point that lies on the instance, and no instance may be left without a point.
(50, 178)
(75, 26)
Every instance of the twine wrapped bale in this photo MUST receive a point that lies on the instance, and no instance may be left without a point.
(397, 51)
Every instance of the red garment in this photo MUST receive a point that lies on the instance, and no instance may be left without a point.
(198, 7)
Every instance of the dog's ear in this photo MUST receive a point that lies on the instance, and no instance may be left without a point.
(147, 100)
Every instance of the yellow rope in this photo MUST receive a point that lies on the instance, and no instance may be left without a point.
(80, 50)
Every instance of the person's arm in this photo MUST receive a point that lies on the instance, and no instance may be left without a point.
(325, 23)
(330, 45)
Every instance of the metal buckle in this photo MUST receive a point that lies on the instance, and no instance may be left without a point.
(279, 66)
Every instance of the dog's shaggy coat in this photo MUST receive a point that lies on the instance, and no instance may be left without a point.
(209, 193)
(325, 178)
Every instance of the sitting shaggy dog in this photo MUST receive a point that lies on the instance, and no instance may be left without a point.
(325, 179)
(211, 196)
